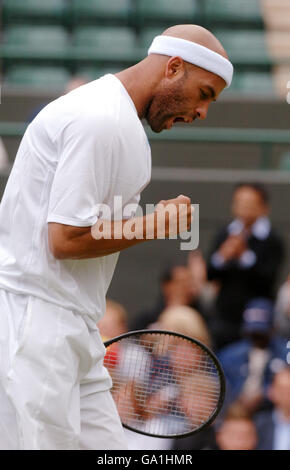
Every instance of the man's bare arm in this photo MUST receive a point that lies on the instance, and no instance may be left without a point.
(68, 242)
(107, 237)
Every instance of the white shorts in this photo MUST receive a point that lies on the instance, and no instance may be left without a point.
(54, 390)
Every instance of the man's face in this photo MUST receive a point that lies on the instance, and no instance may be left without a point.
(248, 205)
(178, 291)
(183, 97)
(237, 434)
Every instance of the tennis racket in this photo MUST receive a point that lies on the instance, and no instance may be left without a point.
(165, 384)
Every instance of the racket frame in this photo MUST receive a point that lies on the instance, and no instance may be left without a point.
(202, 346)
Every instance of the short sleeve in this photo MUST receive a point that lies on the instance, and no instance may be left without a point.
(131, 208)
(82, 174)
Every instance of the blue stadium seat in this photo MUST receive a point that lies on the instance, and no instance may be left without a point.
(146, 37)
(35, 77)
(245, 46)
(35, 42)
(92, 10)
(105, 43)
(253, 83)
(233, 11)
(164, 11)
(284, 163)
(26, 10)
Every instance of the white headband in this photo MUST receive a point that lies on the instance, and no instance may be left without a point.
(195, 54)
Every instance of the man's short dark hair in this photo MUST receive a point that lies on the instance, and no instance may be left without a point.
(167, 274)
(258, 187)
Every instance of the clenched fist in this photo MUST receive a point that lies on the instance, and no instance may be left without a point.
(171, 217)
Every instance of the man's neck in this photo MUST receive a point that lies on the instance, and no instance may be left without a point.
(139, 84)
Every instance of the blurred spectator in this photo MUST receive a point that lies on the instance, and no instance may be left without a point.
(245, 259)
(282, 310)
(274, 426)
(237, 430)
(177, 288)
(114, 322)
(4, 160)
(184, 320)
(249, 364)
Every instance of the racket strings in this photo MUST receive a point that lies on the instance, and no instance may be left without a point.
(163, 384)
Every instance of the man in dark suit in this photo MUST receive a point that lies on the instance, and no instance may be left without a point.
(274, 426)
(245, 260)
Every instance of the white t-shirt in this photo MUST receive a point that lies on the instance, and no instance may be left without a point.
(81, 150)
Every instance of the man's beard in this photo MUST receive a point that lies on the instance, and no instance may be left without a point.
(165, 105)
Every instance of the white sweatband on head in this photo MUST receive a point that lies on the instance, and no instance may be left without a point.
(195, 54)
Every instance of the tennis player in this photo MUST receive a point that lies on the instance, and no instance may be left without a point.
(82, 150)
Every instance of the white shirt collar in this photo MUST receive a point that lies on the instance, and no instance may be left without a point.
(260, 229)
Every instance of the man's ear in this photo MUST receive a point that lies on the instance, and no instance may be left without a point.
(175, 66)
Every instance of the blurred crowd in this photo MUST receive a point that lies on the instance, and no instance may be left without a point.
(232, 300)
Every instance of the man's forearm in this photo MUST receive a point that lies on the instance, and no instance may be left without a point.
(107, 237)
